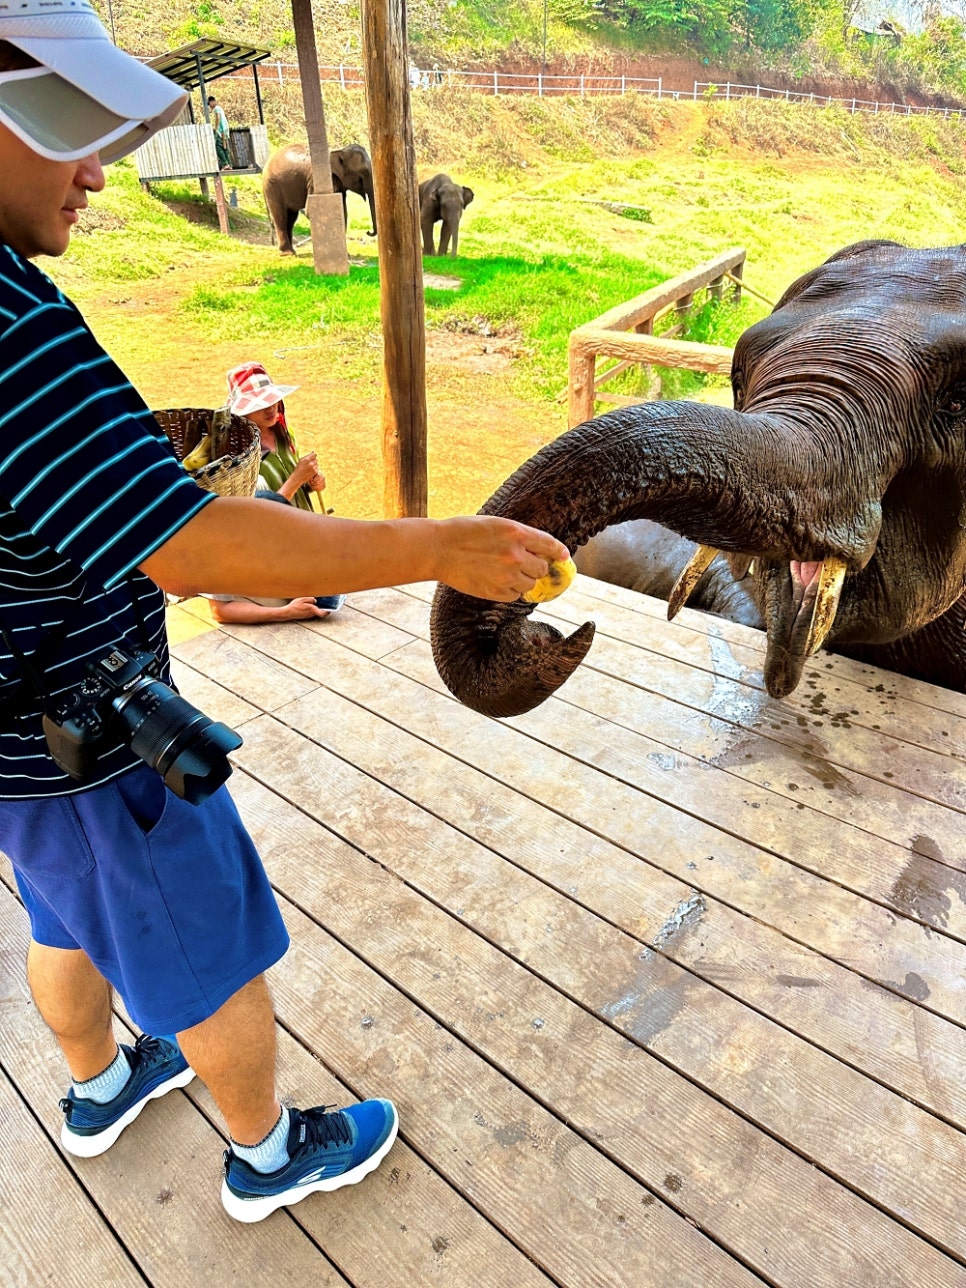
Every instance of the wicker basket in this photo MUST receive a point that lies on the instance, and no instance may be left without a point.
(234, 467)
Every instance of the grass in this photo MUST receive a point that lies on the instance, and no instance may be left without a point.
(547, 243)
(542, 298)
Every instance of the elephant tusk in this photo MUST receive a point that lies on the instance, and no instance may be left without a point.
(830, 584)
(681, 591)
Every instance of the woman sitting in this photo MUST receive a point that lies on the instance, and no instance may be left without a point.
(283, 476)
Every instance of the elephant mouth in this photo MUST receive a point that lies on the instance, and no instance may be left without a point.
(800, 602)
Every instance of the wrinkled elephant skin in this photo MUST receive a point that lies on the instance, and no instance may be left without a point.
(287, 183)
(441, 201)
(839, 477)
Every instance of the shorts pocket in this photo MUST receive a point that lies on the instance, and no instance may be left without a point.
(145, 797)
(45, 838)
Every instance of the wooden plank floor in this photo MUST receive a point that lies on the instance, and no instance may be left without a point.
(667, 979)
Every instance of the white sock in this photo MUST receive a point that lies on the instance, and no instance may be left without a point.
(107, 1085)
(269, 1154)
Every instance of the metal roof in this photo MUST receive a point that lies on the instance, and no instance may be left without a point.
(216, 57)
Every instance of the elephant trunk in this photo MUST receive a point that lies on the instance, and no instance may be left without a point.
(684, 465)
(370, 195)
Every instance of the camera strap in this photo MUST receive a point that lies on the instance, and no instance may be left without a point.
(33, 670)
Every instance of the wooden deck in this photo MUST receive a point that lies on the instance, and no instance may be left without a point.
(667, 979)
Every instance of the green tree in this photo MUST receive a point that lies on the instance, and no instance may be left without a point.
(773, 24)
(938, 52)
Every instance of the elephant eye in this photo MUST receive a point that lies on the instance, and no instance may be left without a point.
(953, 402)
(738, 386)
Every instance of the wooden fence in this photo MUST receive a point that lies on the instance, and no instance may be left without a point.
(587, 84)
(627, 333)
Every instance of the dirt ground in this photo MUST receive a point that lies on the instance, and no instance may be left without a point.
(477, 434)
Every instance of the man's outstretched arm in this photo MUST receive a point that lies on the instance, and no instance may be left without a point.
(239, 545)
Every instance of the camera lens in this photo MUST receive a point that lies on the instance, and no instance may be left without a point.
(177, 740)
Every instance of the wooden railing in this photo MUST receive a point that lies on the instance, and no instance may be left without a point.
(627, 333)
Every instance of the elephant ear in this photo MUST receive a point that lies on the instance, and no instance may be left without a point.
(467, 197)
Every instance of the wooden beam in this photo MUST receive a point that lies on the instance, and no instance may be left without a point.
(324, 207)
(386, 62)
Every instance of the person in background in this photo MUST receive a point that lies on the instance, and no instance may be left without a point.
(219, 123)
(253, 394)
(125, 884)
(252, 609)
(285, 476)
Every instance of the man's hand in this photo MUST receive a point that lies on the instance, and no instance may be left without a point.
(494, 558)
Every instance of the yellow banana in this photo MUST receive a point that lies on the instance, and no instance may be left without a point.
(561, 574)
(199, 456)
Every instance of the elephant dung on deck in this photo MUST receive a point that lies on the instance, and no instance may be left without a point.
(442, 201)
(287, 184)
(840, 476)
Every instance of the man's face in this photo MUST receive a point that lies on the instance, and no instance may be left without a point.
(40, 199)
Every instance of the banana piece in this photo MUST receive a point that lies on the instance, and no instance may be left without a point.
(561, 574)
(199, 456)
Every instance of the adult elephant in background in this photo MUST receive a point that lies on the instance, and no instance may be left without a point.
(287, 184)
(442, 200)
(835, 489)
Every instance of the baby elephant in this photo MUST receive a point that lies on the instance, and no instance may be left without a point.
(440, 199)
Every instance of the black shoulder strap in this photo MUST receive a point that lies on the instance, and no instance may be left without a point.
(34, 669)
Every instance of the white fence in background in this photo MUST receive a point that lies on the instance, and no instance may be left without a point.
(545, 85)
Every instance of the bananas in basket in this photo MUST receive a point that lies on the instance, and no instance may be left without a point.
(213, 444)
(199, 456)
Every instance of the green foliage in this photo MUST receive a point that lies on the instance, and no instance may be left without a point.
(772, 24)
(707, 26)
(938, 53)
(795, 37)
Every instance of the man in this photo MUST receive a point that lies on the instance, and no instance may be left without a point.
(126, 885)
(219, 123)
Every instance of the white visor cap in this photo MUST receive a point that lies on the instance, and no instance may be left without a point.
(88, 95)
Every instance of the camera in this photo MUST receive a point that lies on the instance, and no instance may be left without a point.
(121, 698)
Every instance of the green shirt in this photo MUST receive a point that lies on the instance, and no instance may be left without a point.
(278, 466)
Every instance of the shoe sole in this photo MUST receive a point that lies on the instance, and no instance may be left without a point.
(91, 1146)
(258, 1208)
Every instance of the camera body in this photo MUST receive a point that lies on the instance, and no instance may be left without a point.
(122, 699)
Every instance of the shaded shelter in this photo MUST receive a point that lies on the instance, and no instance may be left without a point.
(187, 150)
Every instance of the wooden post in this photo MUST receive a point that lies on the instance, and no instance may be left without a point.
(581, 363)
(323, 207)
(386, 73)
(221, 206)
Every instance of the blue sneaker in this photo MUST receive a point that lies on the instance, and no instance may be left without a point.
(326, 1151)
(157, 1067)
(332, 602)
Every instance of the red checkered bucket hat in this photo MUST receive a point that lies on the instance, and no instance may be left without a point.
(250, 388)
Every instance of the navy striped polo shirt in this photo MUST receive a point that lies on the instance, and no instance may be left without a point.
(89, 487)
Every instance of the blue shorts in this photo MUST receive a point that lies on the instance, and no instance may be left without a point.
(170, 901)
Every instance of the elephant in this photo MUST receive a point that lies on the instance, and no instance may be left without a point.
(835, 488)
(440, 199)
(287, 183)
